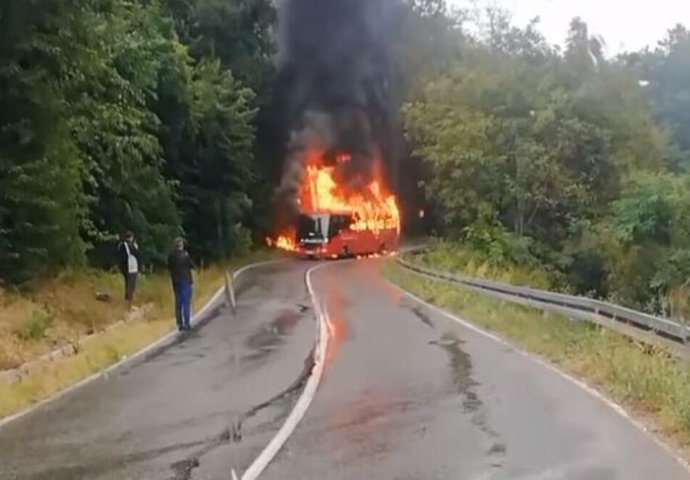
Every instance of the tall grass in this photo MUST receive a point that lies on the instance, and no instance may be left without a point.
(646, 379)
(62, 310)
(458, 258)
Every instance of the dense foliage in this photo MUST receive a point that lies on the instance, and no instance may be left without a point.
(148, 115)
(124, 114)
(563, 158)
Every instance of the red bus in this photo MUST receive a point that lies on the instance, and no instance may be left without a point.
(330, 235)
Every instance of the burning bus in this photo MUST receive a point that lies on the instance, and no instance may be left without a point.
(338, 117)
(337, 219)
(342, 234)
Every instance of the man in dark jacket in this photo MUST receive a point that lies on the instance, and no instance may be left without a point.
(128, 263)
(180, 266)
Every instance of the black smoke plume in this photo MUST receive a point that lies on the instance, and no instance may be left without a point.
(335, 91)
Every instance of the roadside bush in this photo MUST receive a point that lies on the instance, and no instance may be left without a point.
(35, 327)
(464, 259)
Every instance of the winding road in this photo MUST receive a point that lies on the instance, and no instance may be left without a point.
(406, 393)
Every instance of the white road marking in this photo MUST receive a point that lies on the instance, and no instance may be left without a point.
(579, 383)
(305, 399)
(167, 339)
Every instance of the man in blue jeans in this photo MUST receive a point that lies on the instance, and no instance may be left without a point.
(180, 266)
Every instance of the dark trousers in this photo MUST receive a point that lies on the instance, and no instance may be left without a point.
(130, 285)
(183, 304)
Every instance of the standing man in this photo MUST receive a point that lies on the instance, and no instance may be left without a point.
(128, 261)
(180, 266)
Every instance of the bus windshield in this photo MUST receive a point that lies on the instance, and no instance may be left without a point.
(312, 227)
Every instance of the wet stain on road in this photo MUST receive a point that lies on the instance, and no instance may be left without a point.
(267, 337)
(460, 364)
(188, 359)
(111, 464)
(183, 469)
(291, 390)
(423, 316)
(367, 427)
(261, 343)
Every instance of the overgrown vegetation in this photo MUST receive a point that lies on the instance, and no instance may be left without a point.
(491, 264)
(645, 378)
(64, 310)
(566, 161)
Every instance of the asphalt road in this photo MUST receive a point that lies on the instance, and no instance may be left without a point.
(180, 414)
(410, 394)
(406, 394)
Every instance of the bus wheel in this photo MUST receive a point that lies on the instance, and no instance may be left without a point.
(346, 251)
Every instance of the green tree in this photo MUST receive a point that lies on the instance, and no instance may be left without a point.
(521, 142)
(241, 34)
(214, 170)
(41, 199)
(654, 237)
(118, 114)
(116, 130)
(238, 32)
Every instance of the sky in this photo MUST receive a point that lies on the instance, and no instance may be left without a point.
(625, 25)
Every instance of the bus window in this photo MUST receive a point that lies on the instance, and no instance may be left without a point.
(347, 222)
(335, 226)
(338, 224)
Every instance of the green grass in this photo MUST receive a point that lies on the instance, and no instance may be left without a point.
(462, 259)
(35, 326)
(108, 345)
(646, 379)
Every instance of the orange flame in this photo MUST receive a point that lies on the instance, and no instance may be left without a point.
(371, 206)
(284, 242)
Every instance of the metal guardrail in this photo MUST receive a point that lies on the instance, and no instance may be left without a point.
(663, 327)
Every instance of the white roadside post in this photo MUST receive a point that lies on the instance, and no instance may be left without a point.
(230, 292)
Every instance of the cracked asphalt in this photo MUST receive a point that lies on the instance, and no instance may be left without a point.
(406, 394)
(409, 394)
(190, 411)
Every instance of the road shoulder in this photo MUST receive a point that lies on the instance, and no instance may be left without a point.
(626, 374)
